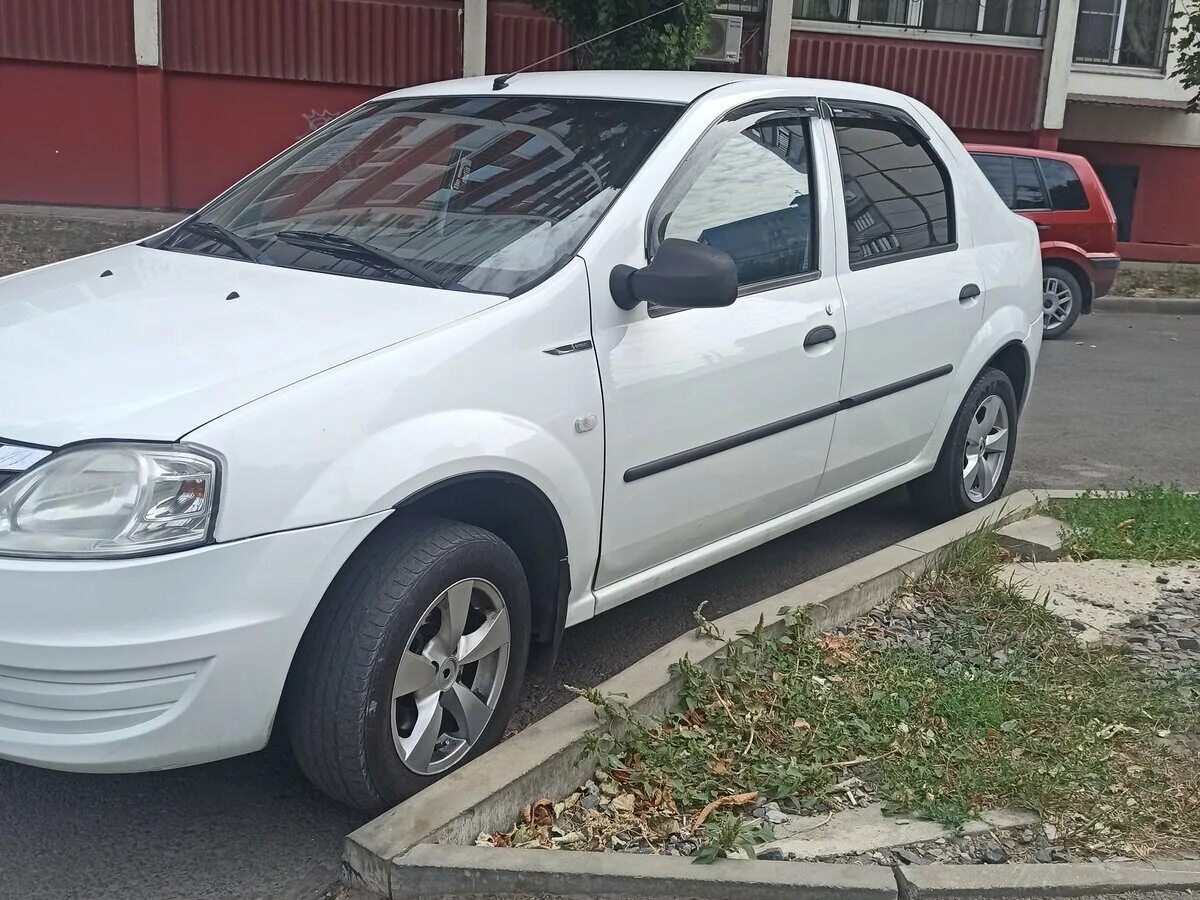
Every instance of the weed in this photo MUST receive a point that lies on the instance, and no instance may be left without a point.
(1043, 724)
(1151, 522)
(726, 833)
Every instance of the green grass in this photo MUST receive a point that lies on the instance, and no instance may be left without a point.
(1147, 522)
(1067, 731)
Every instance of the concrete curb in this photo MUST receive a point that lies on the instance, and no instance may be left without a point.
(1037, 880)
(544, 759)
(1176, 306)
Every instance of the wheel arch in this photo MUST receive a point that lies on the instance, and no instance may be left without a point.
(520, 514)
(1077, 269)
(1013, 360)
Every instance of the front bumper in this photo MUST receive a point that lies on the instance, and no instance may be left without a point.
(165, 661)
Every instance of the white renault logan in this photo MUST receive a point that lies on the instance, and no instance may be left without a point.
(344, 452)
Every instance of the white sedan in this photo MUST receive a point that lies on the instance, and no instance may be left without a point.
(344, 452)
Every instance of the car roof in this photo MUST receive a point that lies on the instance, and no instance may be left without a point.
(663, 87)
(1025, 151)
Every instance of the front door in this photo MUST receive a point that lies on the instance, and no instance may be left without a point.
(911, 287)
(719, 419)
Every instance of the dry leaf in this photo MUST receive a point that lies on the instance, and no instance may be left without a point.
(539, 813)
(730, 800)
(623, 803)
(801, 725)
(1126, 523)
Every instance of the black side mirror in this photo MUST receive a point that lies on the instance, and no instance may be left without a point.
(683, 274)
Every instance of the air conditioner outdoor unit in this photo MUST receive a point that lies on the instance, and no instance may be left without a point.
(725, 39)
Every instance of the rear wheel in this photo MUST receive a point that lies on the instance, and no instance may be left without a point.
(977, 455)
(1062, 301)
(412, 664)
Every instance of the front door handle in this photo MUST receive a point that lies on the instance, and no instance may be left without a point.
(969, 292)
(822, 334)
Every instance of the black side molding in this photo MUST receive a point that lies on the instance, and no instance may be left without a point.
(684, 457)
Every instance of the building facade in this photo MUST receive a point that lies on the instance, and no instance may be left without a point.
(163, 103)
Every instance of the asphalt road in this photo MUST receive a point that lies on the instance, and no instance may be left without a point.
(1122, 403)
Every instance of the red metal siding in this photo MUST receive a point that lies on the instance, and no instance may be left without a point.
(205, 155)
(976, 87)
(78, 134)
(93, 32)
(518, 36)
(385, 43)
(1167, 176)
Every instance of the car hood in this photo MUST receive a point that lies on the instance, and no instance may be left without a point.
(169, 341)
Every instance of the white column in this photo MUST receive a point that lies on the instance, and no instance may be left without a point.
(778, 41)
(147, 32)
(474, 37)
(1060, 47)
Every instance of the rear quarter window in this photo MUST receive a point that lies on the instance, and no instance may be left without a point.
(1063, 185)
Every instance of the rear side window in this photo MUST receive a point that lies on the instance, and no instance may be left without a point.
(1063, 185)
(899, 201)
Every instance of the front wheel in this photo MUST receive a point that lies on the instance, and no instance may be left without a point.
(977, 455)
(1062, 301)
(412, 664)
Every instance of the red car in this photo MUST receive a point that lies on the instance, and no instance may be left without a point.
(1063, 195)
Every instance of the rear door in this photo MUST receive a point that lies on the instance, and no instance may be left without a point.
(910, 284)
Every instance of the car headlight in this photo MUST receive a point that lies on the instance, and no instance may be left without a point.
(110, 500)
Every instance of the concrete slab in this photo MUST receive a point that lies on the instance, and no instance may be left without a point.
(452, 872)
(1033, 880)
(1100, 594)
(866, 828)
(1037, 538)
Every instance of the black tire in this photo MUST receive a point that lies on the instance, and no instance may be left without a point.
(1067, 278)
(941, 495)
(338, 704)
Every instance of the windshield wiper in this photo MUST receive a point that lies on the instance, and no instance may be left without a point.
(221, 235)
(340, 245)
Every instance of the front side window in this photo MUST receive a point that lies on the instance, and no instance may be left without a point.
(899, 200)
(484, 194)
(1015, 18)
(1015, 179)
(1063, 185)
(753, 199)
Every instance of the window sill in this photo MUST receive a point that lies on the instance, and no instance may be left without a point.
(910, 33)
(1123, 71)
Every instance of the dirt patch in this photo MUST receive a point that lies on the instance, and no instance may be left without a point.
(1183, 281)
(28, 240)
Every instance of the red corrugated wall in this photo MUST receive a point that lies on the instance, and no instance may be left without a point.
(970, 86)
(385, 43)
(519, 36)
(92, 32)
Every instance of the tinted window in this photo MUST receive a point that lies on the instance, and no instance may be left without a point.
(478, 193)
(753, 199)
(898, 198)
(1028, 187)
(999, 171)
(1063, 185)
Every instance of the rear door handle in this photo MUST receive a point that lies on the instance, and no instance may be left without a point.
(969, 292)
(822, 334)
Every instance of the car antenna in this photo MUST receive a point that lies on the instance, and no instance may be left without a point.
(501, 81)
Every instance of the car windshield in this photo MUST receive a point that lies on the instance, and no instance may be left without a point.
(485, 194)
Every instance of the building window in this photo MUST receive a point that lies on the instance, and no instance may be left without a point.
(1015, 18)
(1123, 32)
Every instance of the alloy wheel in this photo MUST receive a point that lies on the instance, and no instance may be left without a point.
(1057, 301)
(450, 676)
(987, 448)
